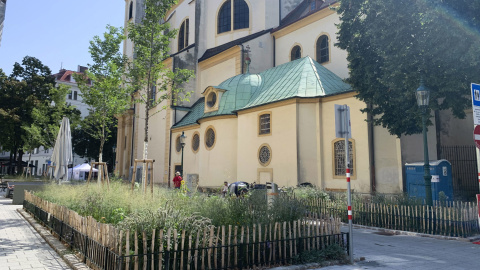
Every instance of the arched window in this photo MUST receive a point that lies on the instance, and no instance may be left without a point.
(183, 35)
(339, 158)
(240, 15)
(130, 11)
(322, 49)
(296, 53)
(225, 17)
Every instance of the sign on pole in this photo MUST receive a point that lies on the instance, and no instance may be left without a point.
(342, 121)
(476, 103)
(343, 130)
(476, 136)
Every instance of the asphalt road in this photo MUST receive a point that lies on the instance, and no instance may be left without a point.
(387, 251)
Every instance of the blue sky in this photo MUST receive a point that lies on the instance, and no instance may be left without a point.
(55, 31)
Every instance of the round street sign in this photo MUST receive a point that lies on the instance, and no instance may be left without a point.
(476, 136)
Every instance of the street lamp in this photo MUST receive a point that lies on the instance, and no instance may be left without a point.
(182, 143)
(423, 96)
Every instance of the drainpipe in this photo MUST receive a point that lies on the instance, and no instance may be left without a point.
(274, 51)
(371, 151)
(133, 136)
(279, 11)
(243, 57)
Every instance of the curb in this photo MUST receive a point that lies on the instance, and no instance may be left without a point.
(398, 232)
(62, 251)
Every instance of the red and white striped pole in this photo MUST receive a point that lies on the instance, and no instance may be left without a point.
(349, 203)
(347, 173)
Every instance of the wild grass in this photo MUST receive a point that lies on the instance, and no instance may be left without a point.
(168, 208)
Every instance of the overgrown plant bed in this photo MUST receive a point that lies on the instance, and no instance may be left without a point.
(128, 210)
(173, 229)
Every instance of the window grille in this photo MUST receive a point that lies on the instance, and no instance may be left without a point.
(210, 138)
(195, 142)
(264, 155)
(264, 124)
(183, 35)
(296, 53)
(322, 49)
(225, 18)
(240, 15)
(339, 157)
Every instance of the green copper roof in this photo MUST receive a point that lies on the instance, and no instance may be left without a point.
(300, 78)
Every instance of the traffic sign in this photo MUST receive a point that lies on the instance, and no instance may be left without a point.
(476, 136)
(476, 103)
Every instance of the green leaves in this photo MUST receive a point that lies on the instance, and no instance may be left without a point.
(147, 74)
(101, 86)
(392, 43)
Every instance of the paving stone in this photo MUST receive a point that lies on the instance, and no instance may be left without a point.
(20, 246)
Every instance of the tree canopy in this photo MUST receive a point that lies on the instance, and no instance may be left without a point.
(105, 96)
(147, 74)
(31, 107)
(392, 44)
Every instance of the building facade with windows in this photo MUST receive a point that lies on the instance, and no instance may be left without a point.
(267, 77)
(40, 157)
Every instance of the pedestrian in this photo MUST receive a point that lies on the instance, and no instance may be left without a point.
(177, 180)
(225, 189)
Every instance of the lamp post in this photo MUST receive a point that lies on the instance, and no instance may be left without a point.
(182, 143)
(423, 95)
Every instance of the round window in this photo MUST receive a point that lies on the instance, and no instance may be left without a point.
(195, 142)
(210, 138)
(211, 99)
(178, 146)
(264, 155)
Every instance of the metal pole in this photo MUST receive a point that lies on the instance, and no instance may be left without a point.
(181, 172)
(427, 176)
(349, 195)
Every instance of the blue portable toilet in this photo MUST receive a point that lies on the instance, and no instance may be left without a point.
(441, 172)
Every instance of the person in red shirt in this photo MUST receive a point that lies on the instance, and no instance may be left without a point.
(177, 180)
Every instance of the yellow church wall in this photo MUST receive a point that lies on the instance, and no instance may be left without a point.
(305, 34)
(218, 69)
(215, 165)
(157, 137)
(388, 161)
(282, 168)
(360, 181)
(309, 158)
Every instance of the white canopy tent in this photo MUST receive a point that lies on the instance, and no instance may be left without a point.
(79, 172)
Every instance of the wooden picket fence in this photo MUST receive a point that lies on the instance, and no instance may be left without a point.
(456, 219)
(224, 247)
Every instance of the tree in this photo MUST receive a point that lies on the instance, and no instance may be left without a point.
(391, 44)
(105, 96)
(147, 74)
(87, 146)
(29, 88)
(47, 116)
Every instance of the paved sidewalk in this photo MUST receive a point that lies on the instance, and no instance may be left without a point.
(410, 252)
(20, 246)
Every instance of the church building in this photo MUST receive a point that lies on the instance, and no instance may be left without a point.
(262, 105)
